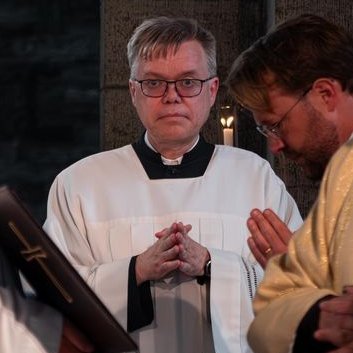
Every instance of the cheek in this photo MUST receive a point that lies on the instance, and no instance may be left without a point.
(146, 111)
(204, 116)
(296, 132)
(201, 110)
(142, 105)
(305, 132)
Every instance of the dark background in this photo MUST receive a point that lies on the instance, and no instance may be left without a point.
(53, 61)
(49, 92)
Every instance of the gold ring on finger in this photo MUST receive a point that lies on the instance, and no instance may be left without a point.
(268, 250)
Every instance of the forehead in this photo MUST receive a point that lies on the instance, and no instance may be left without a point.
(189, 58)
(279, 102)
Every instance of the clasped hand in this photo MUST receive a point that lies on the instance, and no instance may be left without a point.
(173, 250)
(269, 235)
(336, 322)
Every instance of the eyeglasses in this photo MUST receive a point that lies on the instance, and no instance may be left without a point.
(186, 87)
(274, 130)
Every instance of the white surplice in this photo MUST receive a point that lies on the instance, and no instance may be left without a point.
(104, 209)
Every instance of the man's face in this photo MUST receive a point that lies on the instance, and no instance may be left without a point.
(306, 135)
(172, 120)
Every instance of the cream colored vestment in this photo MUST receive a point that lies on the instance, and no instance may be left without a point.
(319, 261)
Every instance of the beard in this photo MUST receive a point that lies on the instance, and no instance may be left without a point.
(320, 143)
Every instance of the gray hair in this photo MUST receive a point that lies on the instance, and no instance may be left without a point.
(155, 36)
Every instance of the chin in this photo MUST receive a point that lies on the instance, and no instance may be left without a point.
(176, 133)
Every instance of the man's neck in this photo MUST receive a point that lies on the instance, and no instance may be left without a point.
(171, 151)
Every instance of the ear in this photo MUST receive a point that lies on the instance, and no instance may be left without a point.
(327, 91)
(214, 89)
(132, 89)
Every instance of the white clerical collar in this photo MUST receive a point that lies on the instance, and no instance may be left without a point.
(167, 161)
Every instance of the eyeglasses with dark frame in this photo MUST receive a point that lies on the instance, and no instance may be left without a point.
(274, 130)
(186, 87)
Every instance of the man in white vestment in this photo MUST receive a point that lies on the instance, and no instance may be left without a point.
(30, 326)
(298, 83)
(158, 228)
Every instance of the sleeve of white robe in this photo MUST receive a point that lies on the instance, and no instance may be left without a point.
(63, 227)
(231, 297)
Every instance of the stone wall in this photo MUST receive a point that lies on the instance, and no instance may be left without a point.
(49, 91)
(235, 24)
(50, 73)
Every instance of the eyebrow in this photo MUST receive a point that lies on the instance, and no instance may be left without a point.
(159, 76)
(265, 122)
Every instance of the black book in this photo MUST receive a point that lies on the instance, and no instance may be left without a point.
(54, 279)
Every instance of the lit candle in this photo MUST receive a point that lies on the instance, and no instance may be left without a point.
(228, 132)
(228, 136)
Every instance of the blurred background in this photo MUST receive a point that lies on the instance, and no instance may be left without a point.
(64, 81)
(49, 92)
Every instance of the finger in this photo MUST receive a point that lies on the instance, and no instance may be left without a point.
(257, 235)
(278, 225)
(336, 321)
(193, 265)
(164, 232)
(260, 258)
(167, 242)
(183, 229)
(342, 305)
(183, 254)
(188, 227)
(189, 269)
(169, 266)
(171, 253)
(193, 253)
(194, 250)
(262, 245)
(348, 289)
(185, 267)
(337, 337)
(268, 231)
(164, 269)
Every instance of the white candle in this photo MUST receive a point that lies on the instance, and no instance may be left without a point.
(228, 136)
(228, 132)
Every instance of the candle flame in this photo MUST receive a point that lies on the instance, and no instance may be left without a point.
(227, 122)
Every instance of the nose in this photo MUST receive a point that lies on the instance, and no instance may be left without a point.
(275, 144)
(171, 94)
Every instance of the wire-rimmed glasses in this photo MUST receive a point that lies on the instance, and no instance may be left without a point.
(274, 130)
